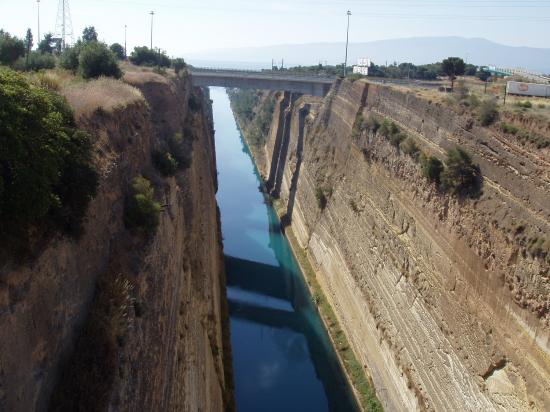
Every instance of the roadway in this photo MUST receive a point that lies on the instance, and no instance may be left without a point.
(310, 84)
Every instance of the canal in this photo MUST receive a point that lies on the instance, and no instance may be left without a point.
(282, 356)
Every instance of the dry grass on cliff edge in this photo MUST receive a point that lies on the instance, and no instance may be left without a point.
(104, 93)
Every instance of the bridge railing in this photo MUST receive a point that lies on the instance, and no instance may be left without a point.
(264, 72)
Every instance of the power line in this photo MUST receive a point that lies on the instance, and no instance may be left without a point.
(319, 11)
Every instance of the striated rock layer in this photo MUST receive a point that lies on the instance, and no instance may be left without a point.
(165, 344)
(442, 299)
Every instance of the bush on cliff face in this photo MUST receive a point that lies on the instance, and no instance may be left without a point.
(488, 112)
(409, 147)
(388, 128)
(165, 163)
(142, 211)
(372, 123)
(46, 173)
(431, 168)
(321, 198)
(461, 176)
(173, 155)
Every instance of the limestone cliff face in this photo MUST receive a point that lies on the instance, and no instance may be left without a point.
(159, 303)
(442, 298)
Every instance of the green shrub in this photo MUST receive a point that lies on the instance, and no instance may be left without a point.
(388, 128)
(525, 104)
(397, 138)
(372, 123)
(36, 61)
(47, 44)
(357, 126)
(541, 106)
(144, 56)
(46, 174)
(142, 212)
(69, 58)
(461, 176)
(179, 150)
(179, 64)
(354, 76)
(321, 198)
(97, 60)
(474, 101)
(165, 163)
(89, 34)
(431, 168)
(488, 112)
(508, 128)
(118, 51)
(409, 147)
(11, 48)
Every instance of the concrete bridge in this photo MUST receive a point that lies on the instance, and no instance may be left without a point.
(269, 80)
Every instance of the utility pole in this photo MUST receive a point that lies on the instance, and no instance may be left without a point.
(125, 54)
(347, 38)
(152, 14)
(38, 2)
(63, 28)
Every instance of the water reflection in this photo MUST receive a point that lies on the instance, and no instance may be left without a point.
(282, 357)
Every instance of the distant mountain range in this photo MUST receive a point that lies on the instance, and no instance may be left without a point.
(417, 50)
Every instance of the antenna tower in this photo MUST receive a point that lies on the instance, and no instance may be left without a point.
(64, 24)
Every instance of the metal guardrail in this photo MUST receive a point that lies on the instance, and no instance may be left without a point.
(291, 75)
(264, 73)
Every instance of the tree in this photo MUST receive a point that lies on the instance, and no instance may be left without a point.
(118, 50)
(35, 61)
(460, 176)
(46, 175)
(179, 64)
(452, 67)
(47, 44)
(143, 56)
(97, 60)
(11, 48)
(431, 167)
(89, 34)
(28, 41)
(70, 57)
(142, 212)
(483, 75)
(470, 70)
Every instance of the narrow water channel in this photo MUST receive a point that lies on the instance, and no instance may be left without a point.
(282, 356)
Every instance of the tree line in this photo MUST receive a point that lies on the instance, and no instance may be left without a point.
(88, 56)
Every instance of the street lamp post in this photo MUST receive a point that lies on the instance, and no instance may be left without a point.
(38, 2)
(347, 38)
(125, 30)
(152, 14)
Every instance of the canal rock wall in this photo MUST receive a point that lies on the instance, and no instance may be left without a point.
(112, 321)
(442, 298)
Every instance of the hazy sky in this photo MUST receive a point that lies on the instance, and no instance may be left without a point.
(184, 26)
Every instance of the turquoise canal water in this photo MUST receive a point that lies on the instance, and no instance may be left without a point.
(282, 356)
